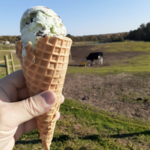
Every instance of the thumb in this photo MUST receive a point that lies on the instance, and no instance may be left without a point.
(32, 107)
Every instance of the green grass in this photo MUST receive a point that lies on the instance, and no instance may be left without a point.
(84, 125)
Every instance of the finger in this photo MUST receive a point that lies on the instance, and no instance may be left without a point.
(16, 79)
(30, 108)
(23, 93)
(25, 128)
(58, 115)
(62, 99)
(11, 83)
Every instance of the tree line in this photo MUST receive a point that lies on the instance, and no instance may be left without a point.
(140, 34)
(11, 39)
(117, 37)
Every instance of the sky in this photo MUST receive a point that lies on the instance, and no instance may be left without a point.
(81, 17)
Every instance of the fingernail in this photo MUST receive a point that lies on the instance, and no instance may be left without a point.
(49, 97)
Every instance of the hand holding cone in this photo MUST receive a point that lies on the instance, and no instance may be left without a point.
(45, 68)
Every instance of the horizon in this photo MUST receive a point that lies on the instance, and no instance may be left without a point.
(88, 18)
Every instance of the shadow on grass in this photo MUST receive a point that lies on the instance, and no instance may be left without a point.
(96, 137)
(63, 138)
(90, 137)
(129, 134)
(29, 142)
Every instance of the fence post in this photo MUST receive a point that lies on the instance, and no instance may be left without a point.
(7, 65)
(12, 62)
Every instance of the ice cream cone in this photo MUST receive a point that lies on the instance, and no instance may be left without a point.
(45, 68)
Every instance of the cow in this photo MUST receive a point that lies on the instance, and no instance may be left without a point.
(95, 55)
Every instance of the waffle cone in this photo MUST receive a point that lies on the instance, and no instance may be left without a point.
(44, 68)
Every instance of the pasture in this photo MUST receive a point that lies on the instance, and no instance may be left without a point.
(106, 107)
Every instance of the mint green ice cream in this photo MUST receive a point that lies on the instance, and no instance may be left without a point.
(40, 21)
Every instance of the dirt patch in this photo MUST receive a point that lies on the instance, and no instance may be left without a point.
(123, 94)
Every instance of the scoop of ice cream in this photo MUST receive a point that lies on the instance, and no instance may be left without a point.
(40, 21)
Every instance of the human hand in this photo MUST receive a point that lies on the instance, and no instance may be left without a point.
(18, 117)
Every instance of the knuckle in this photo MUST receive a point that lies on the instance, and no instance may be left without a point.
(32, 107)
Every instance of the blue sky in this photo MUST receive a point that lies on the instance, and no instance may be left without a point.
(81, 17)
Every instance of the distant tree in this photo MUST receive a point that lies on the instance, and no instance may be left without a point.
(69, 35)
(99, 38)
(121, 39)
(77, 39)
(148, 26)
(147, 31)
(142, 26)
(114, 37)
(94, 38)
(81, 38)
(88, 38)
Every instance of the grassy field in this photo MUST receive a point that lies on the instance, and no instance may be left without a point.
(84, 125)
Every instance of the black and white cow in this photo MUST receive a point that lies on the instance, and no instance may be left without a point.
(95, 56)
